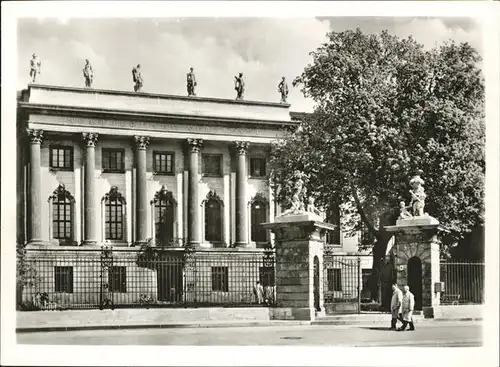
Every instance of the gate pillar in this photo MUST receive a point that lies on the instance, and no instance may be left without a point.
(416, 239)
(299, 238)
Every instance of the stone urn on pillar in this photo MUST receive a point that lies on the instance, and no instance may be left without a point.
(299, 243)
(416, 250)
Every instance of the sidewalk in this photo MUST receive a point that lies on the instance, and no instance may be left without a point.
(37, 321)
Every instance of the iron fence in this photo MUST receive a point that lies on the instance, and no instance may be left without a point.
(463, 283)
(342, 283)
(172, 277)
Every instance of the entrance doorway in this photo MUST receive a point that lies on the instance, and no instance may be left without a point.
(415, 280)
(316, 284)
(169, 279)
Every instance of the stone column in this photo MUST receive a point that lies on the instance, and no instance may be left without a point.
(241, 194)
(91, 234)
(142, 208)
(299, 244)
(194, 147)
(35, 191)
(416, 244)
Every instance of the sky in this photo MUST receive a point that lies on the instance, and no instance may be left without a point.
(263, 49)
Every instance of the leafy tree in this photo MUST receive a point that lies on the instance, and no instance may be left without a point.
(386, 109)
(26, 274)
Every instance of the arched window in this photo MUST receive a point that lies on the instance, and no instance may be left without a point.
(213, 217)
(114, 204)
(62, 214)
(258, 215)
(164, 215)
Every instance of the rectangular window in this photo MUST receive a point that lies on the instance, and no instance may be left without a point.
(163, 163)
(257, 167)
(61, 219)
(113, 160)
(61, 158)
(220, 278)
(334, 280)
(118, 279)
(212, 165)
(63, 278)
(113, 222)
(266, 276)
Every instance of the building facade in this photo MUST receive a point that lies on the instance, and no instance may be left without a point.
(124, 168)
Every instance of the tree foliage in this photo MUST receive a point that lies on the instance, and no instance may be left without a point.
(385, 109)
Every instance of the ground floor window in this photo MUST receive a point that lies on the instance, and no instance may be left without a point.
(220, 278)
(63, 279)
(118, 279)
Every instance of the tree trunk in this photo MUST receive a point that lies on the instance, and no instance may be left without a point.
(378, 253)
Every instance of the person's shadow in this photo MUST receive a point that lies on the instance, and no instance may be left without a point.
(378, 328)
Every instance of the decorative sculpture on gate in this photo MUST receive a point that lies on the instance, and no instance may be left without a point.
(417, 202)
(297, 202)
(311, 208)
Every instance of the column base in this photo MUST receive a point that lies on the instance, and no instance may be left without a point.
(36, 242)
(194, 243)
(242, 244)
(89, 243)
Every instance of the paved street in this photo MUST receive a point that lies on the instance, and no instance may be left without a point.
(428, 334)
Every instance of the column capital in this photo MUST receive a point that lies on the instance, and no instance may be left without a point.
(36, 136)
(194, 145)
(241, 147)
(90, 139)
(141, 142)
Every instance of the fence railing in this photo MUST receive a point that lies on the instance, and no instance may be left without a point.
(160, 278)
(463, 283)
(342, 283)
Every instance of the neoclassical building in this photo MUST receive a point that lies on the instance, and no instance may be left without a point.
(104, 165)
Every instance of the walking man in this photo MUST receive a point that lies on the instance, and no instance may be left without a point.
(396, 306)
(408, 304)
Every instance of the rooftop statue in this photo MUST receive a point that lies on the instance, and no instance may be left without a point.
(137, 78)
(35, 68)
(283, 90)
(88, 74)
(191, 82)
(239, 86)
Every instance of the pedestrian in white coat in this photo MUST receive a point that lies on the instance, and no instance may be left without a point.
(396, 309)
(408, 304)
